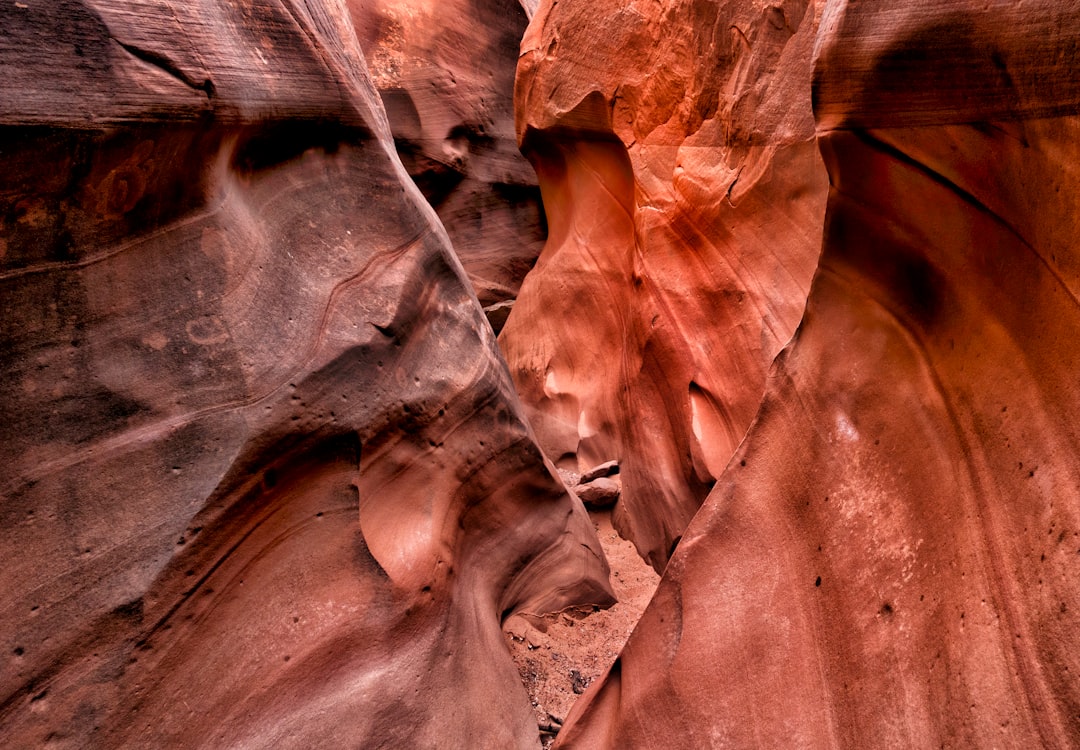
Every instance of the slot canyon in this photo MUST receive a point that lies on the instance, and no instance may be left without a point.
(540, 373)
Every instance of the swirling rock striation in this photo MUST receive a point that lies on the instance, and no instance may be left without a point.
(267, 483)
(674, 145)
(893, 557)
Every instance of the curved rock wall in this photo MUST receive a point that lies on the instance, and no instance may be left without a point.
(267, 482)
(445, 71)
(684, 194)
(893, 557)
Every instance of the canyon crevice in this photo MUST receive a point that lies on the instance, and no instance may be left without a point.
(318, 315)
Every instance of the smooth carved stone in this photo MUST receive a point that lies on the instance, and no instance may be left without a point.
(445, 71)
(266, 482)
(674, 144)
(892, 558)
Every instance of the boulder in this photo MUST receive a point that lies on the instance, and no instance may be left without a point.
(498, 313)
(606, 469)
(599, 493)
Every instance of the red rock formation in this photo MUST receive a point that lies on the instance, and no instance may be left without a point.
(445, 71)
(266, 481)
(684, 193)
(893, 559)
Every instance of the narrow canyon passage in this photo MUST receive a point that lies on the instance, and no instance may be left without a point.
(591, 374)
(559, 655)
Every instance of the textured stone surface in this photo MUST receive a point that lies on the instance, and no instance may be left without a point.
(446, 73)
(266, 481)
(892, 559)
(685, 194)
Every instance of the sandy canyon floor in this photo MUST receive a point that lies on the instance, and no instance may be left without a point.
(559, 658)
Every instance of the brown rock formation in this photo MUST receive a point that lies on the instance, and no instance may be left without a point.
(893, 559)
(684, 193)
(445, 71)
(266, 481)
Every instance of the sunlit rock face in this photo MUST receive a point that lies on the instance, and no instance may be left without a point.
(892, 559)
(445, 71)
(266, 480)
(685, 195)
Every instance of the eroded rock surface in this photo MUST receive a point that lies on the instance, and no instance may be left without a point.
(445, 71)
(892, 559)
(684, 194)
(266, 481)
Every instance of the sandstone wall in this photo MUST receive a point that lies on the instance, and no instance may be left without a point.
(674, 144)
(445, 71)
(266, 479)
(891, 558)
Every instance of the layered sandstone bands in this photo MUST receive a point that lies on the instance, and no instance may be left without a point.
(684, 193)
(267, 482)
(267, 479)
(892, 557)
